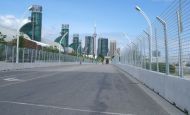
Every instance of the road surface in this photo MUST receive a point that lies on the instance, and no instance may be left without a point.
(74, 90)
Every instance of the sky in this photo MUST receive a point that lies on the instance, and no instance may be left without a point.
(112, 17)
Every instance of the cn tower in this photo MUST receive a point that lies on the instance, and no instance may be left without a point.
(94, 35)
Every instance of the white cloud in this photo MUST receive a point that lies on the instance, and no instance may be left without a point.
(12, 22)
(49, 34)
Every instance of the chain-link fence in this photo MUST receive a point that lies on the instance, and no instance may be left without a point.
(170, 43)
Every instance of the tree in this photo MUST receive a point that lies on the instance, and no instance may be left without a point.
(2, 38)
(100, 58)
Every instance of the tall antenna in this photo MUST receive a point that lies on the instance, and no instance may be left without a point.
(94, 35)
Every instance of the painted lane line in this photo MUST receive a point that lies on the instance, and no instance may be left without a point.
(17, 74)
(23, 81)
(63, 108)
(12, 79)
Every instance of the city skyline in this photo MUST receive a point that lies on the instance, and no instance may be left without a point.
(123, 15)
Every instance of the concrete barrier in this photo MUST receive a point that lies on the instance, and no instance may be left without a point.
(174, 89)
(14, 66)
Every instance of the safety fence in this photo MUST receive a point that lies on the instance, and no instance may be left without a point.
(8, 54)
(167, 49)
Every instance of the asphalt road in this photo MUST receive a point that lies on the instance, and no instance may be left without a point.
(74, 90)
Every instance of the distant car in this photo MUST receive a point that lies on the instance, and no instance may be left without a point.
(107, 61)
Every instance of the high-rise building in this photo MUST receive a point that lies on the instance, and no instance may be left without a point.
(102, 46)
(89, 45)
(75, 42)
(36, 20)
(64, 33)
(65, 29)
(113, 47)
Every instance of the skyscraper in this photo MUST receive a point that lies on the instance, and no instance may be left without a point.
(36, 19)
(102, 46)
(113, 48)
(75, 41)
(65, 29)
(89, 45)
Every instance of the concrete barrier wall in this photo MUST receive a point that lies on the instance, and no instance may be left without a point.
(174, 89)
(14, 66)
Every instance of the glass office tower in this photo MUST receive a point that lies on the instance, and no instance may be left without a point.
(102, 46)
(89, 45)
(36, 19)
(65, 29)
(75, 41)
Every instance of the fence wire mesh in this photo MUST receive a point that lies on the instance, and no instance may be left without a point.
(177, 21)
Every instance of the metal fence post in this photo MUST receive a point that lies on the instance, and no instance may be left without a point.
(156, 42)
(12, 54)
(150, 49)
(28, 55)
(23, 55)
(31, 55)
(166, 43)
(144, 56)
(6, 52)
(180, 45)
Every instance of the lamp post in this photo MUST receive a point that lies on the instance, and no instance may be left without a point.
(17, 36)
(150, 33)
(166, 43)
(60, 44)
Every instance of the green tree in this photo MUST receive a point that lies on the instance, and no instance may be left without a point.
(100, 58)
(2, 38)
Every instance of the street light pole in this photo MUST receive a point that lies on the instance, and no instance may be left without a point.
(18, 35)
(166, 43)
(150, 32)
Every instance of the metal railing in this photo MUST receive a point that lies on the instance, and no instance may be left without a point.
(170, 43)
(8, 54)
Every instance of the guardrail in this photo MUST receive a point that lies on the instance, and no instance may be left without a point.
(175, 90)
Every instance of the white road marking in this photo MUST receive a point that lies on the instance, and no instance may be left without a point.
(22, 81)
(12, 79)
(63, 108)
(12, 75)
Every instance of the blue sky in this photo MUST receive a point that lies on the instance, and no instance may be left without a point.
(111, 16)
